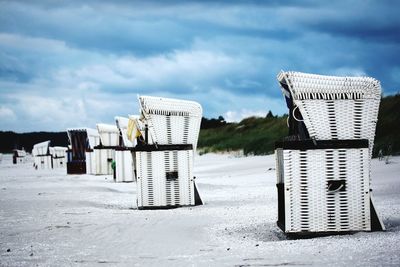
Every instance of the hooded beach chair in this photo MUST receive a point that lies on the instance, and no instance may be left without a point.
(323, 166)
(80, 156)
(19, 156)
(46, 157)
(58, 156)
(41, 155)
(167, 138)
(105, 151)
(124, 163)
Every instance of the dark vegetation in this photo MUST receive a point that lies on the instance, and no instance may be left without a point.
(388, 127)
(11, 140)
(212, 123)
(253, 135)
(258, 135)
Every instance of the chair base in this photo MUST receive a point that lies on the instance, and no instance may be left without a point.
(197, 199)
(197, 202)
(76, 167)
(165, 177)
(323, 188)
(376, 222)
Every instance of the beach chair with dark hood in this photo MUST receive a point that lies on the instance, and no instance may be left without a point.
(80, 158)
(19, 156)
(323, 165)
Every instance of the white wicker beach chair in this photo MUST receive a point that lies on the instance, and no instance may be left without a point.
(165, 164)
(105, 152)
(323, 167)
(41, 155)
(335, 107)
(122, 125)
(58, 156)
(171, 121)
(124, 164)
(19, 156)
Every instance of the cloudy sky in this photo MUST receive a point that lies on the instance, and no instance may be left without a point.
(76, 63)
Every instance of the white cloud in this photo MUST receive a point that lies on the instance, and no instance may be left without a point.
(59, 69)
(51, 112)
(234, 107)
(236, 116)
(31, 44)
(54, 113)
(95, 93)
(346, 71)
(395, 75)
(177, 69)
(6, 114)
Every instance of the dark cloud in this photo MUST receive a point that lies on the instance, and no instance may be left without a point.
(105, 29)
(374, 33)
(79, 58)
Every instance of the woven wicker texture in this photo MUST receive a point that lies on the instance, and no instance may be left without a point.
(42, 162)
(124, 166)
(313, 86)
(154, 189)
(90, 162)
(20, 153)
(58, 151)
(310, 204)
(92, 135)
(59, 162)
(103, 159)
(171, 121)
(109, 134)
(41, 148)
(335, 107)
(122, 124)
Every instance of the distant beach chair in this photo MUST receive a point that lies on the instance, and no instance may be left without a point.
(124, 162)
(46, 157)
(164, 160)
(80, 155)
(105, 151)
(323, 166)
(58, 156)
(19, 156)
(41, 155)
